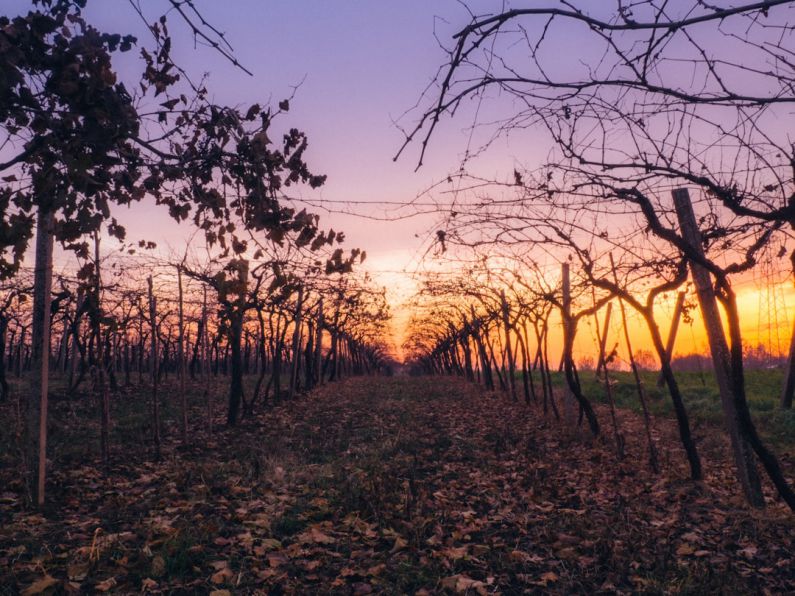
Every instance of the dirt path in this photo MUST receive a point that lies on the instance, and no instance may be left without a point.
(400, 485)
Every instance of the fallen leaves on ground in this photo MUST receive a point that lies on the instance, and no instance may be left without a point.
(400, 485)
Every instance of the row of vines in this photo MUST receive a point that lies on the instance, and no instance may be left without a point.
(659, 156)
(261, 290)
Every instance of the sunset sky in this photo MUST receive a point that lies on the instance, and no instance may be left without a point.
(359, 66)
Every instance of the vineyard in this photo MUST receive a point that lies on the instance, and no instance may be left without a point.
(581, 381)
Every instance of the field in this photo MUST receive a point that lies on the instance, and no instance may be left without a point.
(702, 399)
(388, 214)
(388, 485)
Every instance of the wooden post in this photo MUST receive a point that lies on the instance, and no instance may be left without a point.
(653, 459)
(235, 311)
(64, 347)
(568, 397)
(506, 321)
(296, 346)
(3, 381)
(40, 357)
(205, 363)
(308, 354)
(601, 337)
(154, 360)
(719, 348)
(11, 344)
(319, 344)
(485, 363)
(529, 366)
(20, 352)
(140, 354)
(527, 379)
(669, 346)
(103, 355)
(126, 359)
(181, 359)
(789, 379)
(465, 346)
(335, 345)
(74, 351)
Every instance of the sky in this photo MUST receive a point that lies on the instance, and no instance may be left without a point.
(359, 66)
(355, 67)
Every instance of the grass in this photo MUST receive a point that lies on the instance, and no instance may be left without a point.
(182, 553)
(700, 393)
(130, 411)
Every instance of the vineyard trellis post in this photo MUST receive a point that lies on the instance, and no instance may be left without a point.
(181, 359)
(154, 372)
(789, 376)
(319, 344)
(102, 357)
(719, 349)
(296, 345)
(506, 321)
(602, 365)
(205, 372)
(653, 459)
(37, 405)
(567, 360)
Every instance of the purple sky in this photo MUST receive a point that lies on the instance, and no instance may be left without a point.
(361, 64)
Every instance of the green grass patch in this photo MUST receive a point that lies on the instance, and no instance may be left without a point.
(700, 393)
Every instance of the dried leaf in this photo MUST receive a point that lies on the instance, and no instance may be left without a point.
(461, 584)
(222, 576)
(107, 585)
(685, 549)
(40, 586)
